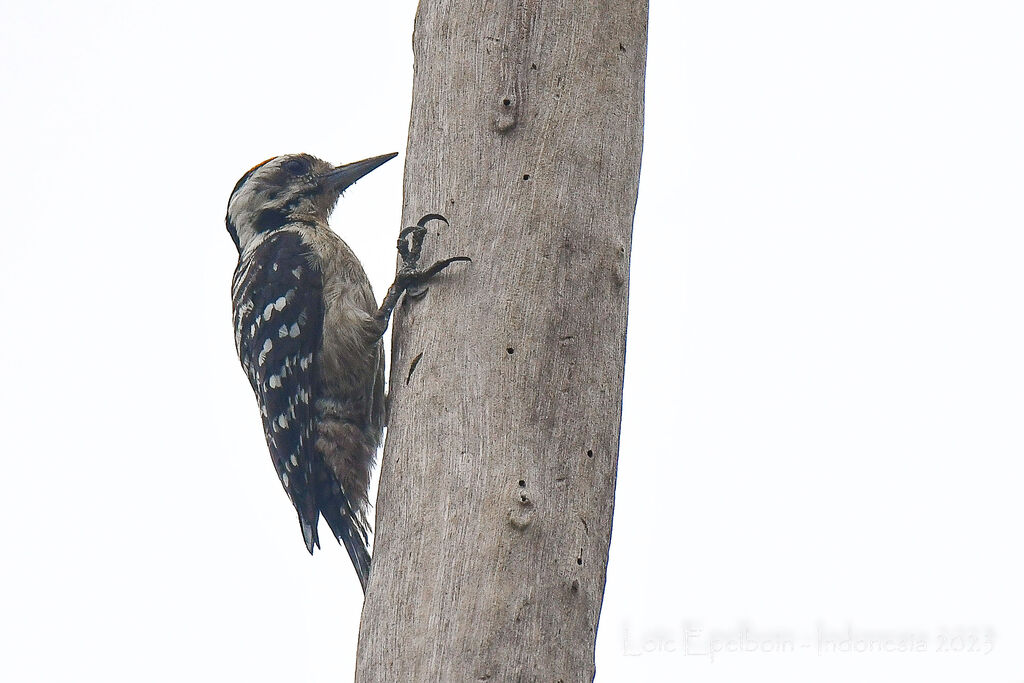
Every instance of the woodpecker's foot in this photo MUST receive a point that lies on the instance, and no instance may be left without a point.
(410, 245)
(409, 278)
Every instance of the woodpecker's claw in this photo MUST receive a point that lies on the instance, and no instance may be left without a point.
(410, 249)
(410, 246)
(431, 217)
(409, 279)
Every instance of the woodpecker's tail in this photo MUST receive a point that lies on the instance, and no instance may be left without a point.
(350, 530)
(309, 534)
(309, 516)
(349, 525)
(346, 521)
(347, 448)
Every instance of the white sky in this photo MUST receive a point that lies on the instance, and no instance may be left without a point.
(822, 434)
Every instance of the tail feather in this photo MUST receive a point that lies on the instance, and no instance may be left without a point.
(346, 448)
(349, 527)
(309, 532)
(350, 532)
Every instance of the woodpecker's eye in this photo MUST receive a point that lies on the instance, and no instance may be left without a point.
(296, 166)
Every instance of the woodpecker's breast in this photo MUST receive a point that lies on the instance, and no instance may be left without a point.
(348, 346)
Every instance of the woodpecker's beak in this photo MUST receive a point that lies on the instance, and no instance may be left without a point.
(336, 180)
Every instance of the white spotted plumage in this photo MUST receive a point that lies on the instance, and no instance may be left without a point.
(308, 341)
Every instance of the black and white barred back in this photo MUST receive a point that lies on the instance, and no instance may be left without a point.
(278, 316)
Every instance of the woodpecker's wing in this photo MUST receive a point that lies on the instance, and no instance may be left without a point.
(278, 309)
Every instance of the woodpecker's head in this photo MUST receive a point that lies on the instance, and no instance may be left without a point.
(287, 189)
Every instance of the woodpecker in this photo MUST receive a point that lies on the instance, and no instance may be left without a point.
(308, 334)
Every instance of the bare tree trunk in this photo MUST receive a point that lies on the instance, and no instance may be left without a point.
(497, 484)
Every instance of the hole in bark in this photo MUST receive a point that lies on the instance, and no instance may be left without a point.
(533, 66)
(579, 560)
(507, 102)
(412, 366)
(522, 497)
(522, 482)
(575, 585)
(526, 176)
(510, 350)
(622, 48)
(590, 453)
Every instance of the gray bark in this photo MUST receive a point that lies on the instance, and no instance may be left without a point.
(498, 478)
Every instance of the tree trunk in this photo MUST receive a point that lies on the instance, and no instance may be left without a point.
(498, 479)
